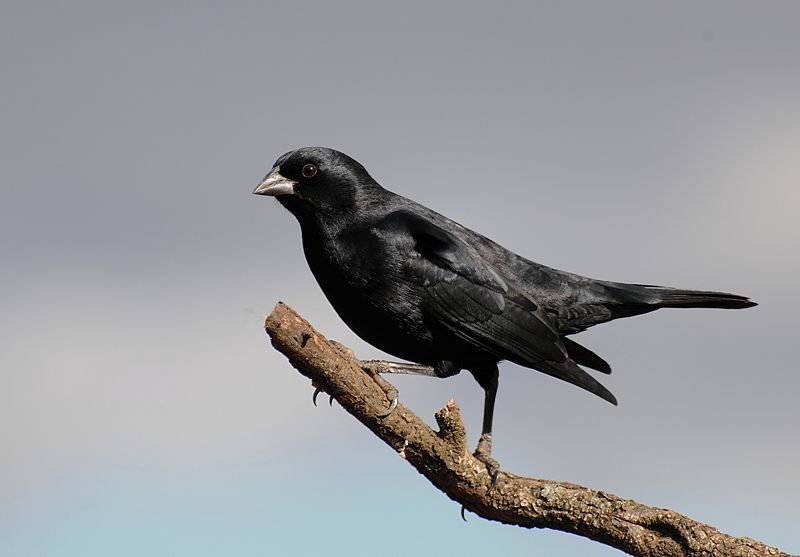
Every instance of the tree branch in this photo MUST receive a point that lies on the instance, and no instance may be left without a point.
(444, 458)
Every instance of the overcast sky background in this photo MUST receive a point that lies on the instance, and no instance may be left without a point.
(142, 411)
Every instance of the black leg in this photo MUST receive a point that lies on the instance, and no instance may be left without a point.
(487, 378)
(488, 403)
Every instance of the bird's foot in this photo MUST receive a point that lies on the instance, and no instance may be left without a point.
(387, 388)
(484, 453)
(376, 367)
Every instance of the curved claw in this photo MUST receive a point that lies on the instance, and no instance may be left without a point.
(392, 406)
(317, 391)
(463, 508)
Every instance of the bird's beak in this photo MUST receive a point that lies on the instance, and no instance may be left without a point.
(275, 184)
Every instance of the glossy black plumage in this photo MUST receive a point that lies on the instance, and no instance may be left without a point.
(426, 289)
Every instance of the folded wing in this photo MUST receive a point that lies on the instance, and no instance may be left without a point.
(465, 295)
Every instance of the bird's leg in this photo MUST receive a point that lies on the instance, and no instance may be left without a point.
(400, 368)
(376, 367)
(487, 378)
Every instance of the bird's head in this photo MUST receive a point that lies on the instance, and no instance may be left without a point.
(316, 181)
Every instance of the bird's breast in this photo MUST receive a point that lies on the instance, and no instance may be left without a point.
(364, 281)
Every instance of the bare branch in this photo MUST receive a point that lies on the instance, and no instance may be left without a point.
(444, 458)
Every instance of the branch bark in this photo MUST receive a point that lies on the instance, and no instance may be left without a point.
(444, 459)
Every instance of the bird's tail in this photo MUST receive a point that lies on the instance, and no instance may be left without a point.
(676, 298)
(625, 300)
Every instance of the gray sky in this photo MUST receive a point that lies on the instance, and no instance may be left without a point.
(142, 410)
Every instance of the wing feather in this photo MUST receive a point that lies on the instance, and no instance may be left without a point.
(467, 296)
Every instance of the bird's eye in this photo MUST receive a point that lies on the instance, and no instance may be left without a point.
(309, 170)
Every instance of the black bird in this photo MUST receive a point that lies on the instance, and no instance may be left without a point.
(421, 287)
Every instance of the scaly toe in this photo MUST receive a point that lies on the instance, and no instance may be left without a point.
(389, 390)
(484, 453)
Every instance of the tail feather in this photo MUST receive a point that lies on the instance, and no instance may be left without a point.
(584, 356)
(570, 372)
(618, 299)
(676, 298)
